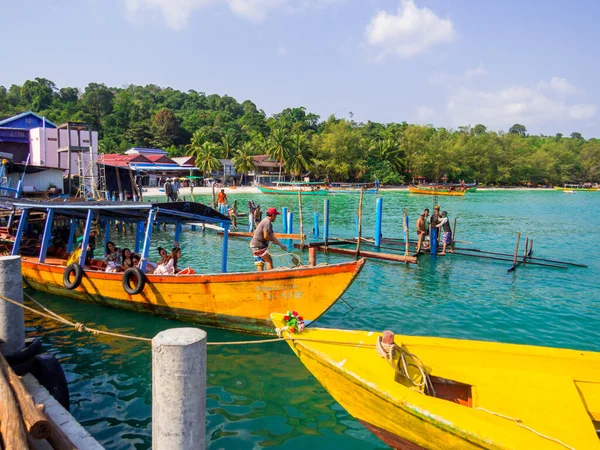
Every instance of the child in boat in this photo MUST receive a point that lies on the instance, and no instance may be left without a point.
(112, 257)
(127, 259)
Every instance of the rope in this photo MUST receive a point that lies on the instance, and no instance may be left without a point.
(522, 425)
(81, 327)
(387, 352)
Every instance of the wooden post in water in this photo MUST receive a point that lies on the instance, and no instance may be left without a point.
(516, 253)
(453, 235)
(359, 231)
(525, 251)
(301, 221)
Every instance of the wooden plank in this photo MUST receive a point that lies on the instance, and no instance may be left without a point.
(411, 259)
(296, 236)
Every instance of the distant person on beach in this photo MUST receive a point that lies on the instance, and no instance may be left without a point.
(444, 224)
(263, 235)
(222, 199)
(422, 230)
(168, 190)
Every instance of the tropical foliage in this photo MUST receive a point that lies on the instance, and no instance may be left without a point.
(213, 126)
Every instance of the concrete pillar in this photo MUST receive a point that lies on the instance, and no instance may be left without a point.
(12, 321)
(179, 389)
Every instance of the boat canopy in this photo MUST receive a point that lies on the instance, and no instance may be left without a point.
(173, 212)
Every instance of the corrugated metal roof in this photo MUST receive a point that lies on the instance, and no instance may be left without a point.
(24, 114)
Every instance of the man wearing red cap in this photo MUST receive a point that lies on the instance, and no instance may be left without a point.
(263, 235)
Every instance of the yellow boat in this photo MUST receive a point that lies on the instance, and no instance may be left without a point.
(433, 190)
(239, 301)
(487, 395)
(578, 187)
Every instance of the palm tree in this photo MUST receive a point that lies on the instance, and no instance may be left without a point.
(243, 161)
(206, 158)
(299, 155)
(387, 150)
(278, 148)
(194, 148)
(227, 144)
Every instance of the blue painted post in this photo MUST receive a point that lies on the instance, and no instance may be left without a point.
(114, 198)
(290, 222)
(326, 220)
(378, 219)
(178, 232)
(106, 232)
(316, 224)
(225, 248)
(284, 214)
(71, 236)
(86, 237)
(10, 220)
(139, 231)
(47, 234)
(193, 227)
(146, 250)
(20, 230)
(433, 240)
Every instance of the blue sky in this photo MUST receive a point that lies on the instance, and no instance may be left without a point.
(447, 63)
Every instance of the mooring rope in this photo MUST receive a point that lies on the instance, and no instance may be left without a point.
(81, 328)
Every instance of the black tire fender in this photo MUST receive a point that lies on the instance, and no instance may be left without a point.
(77, 271)
(134, 281)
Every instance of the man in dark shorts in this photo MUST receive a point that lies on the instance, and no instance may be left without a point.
(422, 229)
(263, 235)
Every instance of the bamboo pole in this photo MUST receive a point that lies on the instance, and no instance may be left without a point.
(360, 204)
(12, 429)
(35, 421)
(525, 251)
(530, 258)
(514, 266)
(497, 258)
(453, 234)
(301, 221)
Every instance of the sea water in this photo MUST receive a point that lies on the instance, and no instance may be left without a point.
(262, 396)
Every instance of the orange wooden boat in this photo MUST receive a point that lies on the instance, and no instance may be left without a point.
(237, 301)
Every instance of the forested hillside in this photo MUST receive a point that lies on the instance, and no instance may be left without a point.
(213, 126)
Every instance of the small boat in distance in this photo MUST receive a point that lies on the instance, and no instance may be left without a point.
(437, 393)
(578, 187)
(239, 301)
(293, 187)
(570, 191)
(353, 188)
(453, 191)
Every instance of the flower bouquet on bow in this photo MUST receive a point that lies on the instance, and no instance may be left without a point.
(293, 322)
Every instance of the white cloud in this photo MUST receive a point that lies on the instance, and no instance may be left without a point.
(560, 85)
(424, 113)
(445, 78)
(177, 12)
(282, 51)
(410, 32)
(508, 106)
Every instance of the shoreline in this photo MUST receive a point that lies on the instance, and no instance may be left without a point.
(154, 191)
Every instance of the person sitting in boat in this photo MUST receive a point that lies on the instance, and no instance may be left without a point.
(112, 257)
(444, 224)
(127, 259)
(168, 264)
(263, 235)
(422, 230)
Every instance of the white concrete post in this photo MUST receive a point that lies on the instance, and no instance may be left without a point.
(12, 321)
(179, 389)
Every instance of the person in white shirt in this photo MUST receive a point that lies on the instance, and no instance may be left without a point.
(444, 224)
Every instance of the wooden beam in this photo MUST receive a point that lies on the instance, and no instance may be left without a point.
(411, 259)
(12, 429)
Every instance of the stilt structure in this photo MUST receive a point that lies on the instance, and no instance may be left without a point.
(73, 141)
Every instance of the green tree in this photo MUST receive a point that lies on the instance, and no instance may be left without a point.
(519, 129)
(207, 158)
(299, 155)
(279, 147)
(165, 129)
(228, 142)
(243, 161)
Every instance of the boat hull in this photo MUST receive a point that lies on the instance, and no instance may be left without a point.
(426, 191)
(591, 189)
(236, 301)
(278, 191)
(352, 191)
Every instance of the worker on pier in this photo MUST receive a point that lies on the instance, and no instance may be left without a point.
(422, 230)
(444, 224)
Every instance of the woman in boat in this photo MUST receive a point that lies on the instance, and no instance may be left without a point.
(127, 259)
(168, 264)
(112, 257)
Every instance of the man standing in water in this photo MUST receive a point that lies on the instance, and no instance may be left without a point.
(422, 229)
(263, 235)
(444, 224)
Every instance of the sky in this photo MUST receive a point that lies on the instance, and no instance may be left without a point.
(447, 63)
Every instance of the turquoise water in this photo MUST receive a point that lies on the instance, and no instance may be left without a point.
(262, 396)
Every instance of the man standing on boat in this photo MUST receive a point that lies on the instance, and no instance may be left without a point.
(422, 229)
(263, 235)
(444, 224)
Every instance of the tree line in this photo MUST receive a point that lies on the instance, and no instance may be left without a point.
(212, 127)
